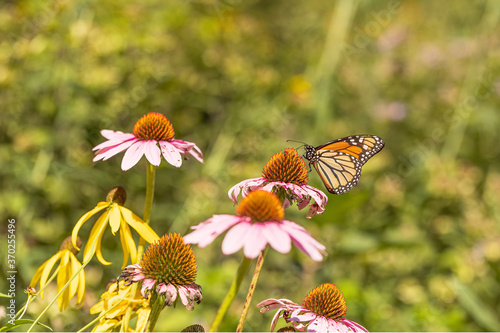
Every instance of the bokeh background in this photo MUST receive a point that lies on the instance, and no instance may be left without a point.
(414, 247)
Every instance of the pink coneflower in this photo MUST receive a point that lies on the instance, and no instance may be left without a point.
(323, 310)
(168, 269)
(286, 175)
(151, 130)
(259, 222)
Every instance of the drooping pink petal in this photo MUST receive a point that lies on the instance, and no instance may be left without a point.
(148, 283)
(133, 155)
(276, 316)
(152, 152)
(183, 296)
(170, 294)
(106, 153)
(235, 237)
(254, 241)
(298, 316)
(251, 183)
(116, 135)
(277, 238)
(355, 327)
(303, 240)
(171, 154)
(188, 147)
(206, 232)
(161, 288)
(109, 143)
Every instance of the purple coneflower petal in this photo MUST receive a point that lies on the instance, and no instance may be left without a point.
(117, 135)
(235, 237)
(170, 295)
(303, 240)
(254, 240)
(207, 231)
(355, 327)
(161, 288)
(244, 186)
(106, 153)
(188, 147)
(152, 152)
(133, 154)
(171, 153)
(277, 238)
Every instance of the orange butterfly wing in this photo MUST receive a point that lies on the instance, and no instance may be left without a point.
(339, 162)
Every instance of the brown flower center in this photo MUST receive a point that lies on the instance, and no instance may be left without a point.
(327, 301)
(67, 244)
(286, 166)
(170, 260)
(154, 126)
(261, 206)
(117, 195)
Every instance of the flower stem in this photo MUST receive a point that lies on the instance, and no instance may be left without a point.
(148, 206)
(233, 290)
(157, 304)
(251, 290)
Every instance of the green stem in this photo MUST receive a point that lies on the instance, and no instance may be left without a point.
(148, 206)
(60, 291)
(251, 290)
(30, 299)
(157, 304)
(231, 294)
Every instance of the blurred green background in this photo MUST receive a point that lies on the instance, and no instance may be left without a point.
(414, 247)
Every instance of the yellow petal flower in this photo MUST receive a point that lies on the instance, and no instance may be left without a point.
(79, 282)
(44, 271)
(67, 268)
(128, 244)
(114, 218)
(142, 319)
(138, 224)
(95, 237)
(122, 299)
(100, 206)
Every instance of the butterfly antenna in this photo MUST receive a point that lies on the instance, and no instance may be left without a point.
(303, 143)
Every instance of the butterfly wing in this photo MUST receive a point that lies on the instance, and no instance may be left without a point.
(339, 162)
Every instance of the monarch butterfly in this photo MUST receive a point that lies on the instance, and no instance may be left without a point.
(339, 162)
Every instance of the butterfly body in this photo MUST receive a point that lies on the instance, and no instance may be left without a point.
(339, 162)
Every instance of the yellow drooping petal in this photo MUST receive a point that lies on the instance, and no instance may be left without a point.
(47, 267)
(139, 225)
(78, 284)
(142, 319)
(100, 206)
(73, 267)
(128, 244)
(94, 241)
(98, 253)
(106, 325)
(63, 277)
(114, 218)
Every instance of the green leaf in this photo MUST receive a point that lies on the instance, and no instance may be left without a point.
(475, 307)
(20, 322)
(5, 295)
